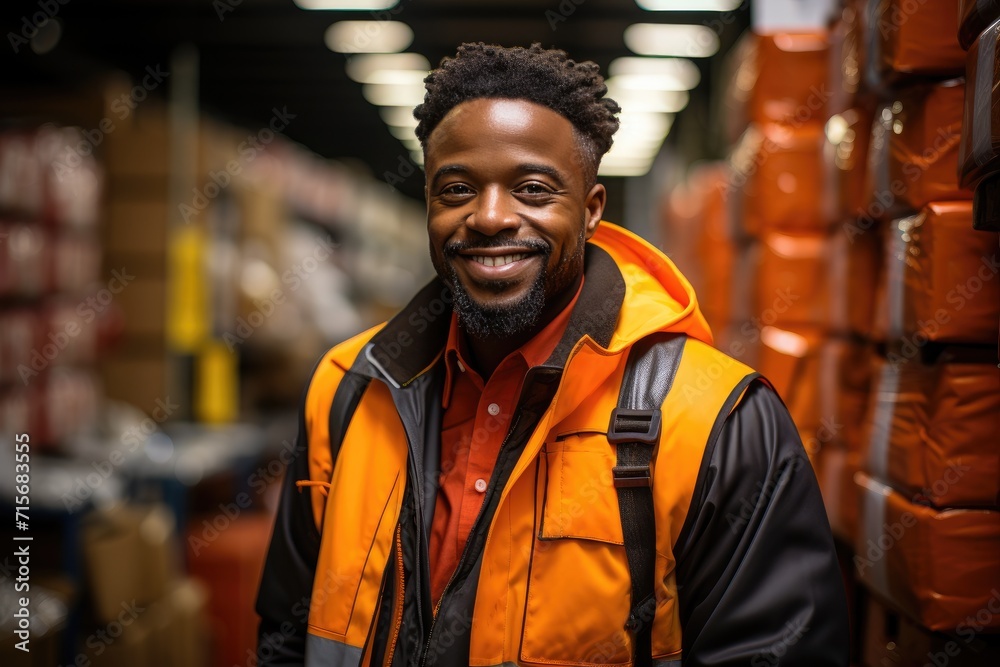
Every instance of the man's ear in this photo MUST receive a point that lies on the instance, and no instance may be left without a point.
(594, 208)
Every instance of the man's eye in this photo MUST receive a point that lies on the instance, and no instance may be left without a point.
(456, 190)
(534, 189)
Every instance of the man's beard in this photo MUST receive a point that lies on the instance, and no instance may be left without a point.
(510, 320)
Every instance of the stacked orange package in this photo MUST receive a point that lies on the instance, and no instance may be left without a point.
(980, 150)
(850, 265)
(928, 532)
(778, 182)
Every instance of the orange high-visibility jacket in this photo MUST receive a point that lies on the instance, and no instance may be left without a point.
(745, 566)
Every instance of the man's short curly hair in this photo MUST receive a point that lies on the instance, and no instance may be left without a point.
(543, 76)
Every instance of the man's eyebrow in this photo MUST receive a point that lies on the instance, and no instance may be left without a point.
(552, 172)
(526, 168)
(449, 169)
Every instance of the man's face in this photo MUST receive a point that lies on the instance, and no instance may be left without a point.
(508, 212)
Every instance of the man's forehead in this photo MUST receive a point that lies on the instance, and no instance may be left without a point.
(509, 116)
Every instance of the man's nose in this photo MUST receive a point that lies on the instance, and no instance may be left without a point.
(495, 212)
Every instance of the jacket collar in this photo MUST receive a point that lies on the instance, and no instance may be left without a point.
(413, 340)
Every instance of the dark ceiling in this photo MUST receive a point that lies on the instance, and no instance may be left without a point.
(255, 55)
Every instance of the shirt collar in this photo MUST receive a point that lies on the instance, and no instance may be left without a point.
(534, 353)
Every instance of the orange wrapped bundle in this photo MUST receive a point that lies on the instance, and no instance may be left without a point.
(930, 426)
(791, 79)
(791, 280)
(846, 160)
(855, 257)
(897, 411)
(840, 494)
(790, 360)
(980, 146)
(964, 646)
(779, 168)
(716, 247)
(951, 290)
(939, 567)
(845, 384)
(959, 463)
(975, 16)
(845, 58)
(909, 39)
(924, 144)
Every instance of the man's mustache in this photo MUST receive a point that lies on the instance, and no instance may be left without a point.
(487, 243)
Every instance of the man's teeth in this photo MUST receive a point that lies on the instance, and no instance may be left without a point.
(499, 261)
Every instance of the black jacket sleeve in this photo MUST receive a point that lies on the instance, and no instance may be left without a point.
(757, 574)
(287, 581)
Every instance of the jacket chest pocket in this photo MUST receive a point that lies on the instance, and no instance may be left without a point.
(578, 581)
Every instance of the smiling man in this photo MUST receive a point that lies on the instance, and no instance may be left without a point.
(542, 460)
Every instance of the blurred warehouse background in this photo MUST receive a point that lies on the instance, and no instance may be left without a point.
(199, 197)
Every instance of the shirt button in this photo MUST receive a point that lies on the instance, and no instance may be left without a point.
(481, 485)
(493, 409)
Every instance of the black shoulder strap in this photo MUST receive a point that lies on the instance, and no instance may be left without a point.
(635, 430)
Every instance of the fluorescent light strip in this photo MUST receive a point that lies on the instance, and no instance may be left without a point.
(346, 5)
(668, 39)
(368, 37)
(364, 68)
(688, 5)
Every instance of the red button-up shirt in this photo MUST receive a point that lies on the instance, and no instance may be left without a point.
(477, 416)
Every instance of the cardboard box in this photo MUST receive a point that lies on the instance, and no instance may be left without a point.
(909, 40)
(144, 307)
(138, 380)
(939, 567)
(130, 554)
(137, 226)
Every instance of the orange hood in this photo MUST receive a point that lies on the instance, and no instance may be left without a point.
(657, 295)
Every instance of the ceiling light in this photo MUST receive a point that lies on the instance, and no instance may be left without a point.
(402, 133)
(363, 68)
(368, 36)
(668, 39)
(663, 101)
(398, 77)
(347, 5)
(688, 5)
(384, 95)
(398, 116)
(643, 74)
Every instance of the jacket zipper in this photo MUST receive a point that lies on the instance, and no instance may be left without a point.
(465, 551)
(397, 622)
